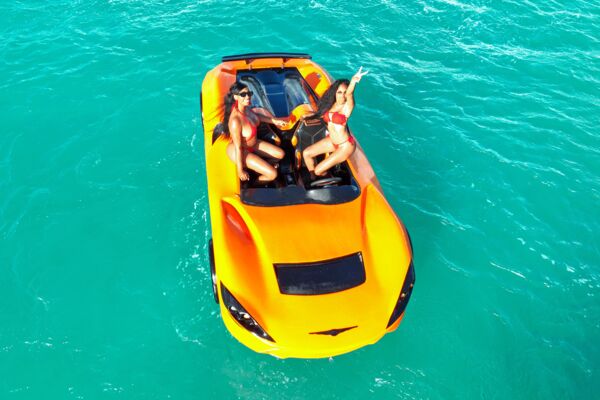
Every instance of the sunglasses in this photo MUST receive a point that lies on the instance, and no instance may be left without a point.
(245, 94)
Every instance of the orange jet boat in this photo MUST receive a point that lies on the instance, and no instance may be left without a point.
(300, 268)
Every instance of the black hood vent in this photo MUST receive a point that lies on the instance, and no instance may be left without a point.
(321, 277)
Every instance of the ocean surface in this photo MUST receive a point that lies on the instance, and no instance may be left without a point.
(480, 118)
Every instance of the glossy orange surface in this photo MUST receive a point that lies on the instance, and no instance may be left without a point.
(248, 240)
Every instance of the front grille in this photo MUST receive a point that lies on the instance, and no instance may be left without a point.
(334, 332)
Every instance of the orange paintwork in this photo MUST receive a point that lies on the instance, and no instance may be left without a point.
(247, 241)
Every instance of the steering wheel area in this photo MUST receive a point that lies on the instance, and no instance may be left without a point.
(324, 182)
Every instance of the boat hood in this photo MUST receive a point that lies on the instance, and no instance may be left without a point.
(338, 261)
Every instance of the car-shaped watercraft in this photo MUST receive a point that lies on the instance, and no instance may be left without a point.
(299, 268)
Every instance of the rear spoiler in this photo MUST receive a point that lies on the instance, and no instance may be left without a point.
(253, 56)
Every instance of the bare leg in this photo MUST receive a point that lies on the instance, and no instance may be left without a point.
(321, 147)
(231, 152)
(338, 156)
(252, 161)
(266, 170)
(267, 149)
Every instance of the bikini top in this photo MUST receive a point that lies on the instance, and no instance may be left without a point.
(254, 127)
(336, 117)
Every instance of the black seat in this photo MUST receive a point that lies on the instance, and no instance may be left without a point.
(308, 132)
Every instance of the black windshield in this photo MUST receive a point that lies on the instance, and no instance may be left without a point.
(279, 90)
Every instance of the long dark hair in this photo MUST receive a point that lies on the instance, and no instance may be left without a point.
(328, 98)
(222, 128)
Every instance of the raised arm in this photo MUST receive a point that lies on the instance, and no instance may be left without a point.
(235, 129)
(350, 91)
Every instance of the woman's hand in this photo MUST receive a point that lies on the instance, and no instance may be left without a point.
(278, 122)
(243, 175)
(357, 77)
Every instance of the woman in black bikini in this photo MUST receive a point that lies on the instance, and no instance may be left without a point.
(240, 123)
(335, 107)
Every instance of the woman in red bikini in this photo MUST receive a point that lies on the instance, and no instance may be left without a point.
(335, 107)
(240, 123)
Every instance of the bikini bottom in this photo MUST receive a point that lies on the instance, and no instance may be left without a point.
(349, 140)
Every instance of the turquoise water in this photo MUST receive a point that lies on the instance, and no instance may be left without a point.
(480, 118)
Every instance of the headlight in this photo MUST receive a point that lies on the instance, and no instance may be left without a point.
(239, 313)
(409, 282)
